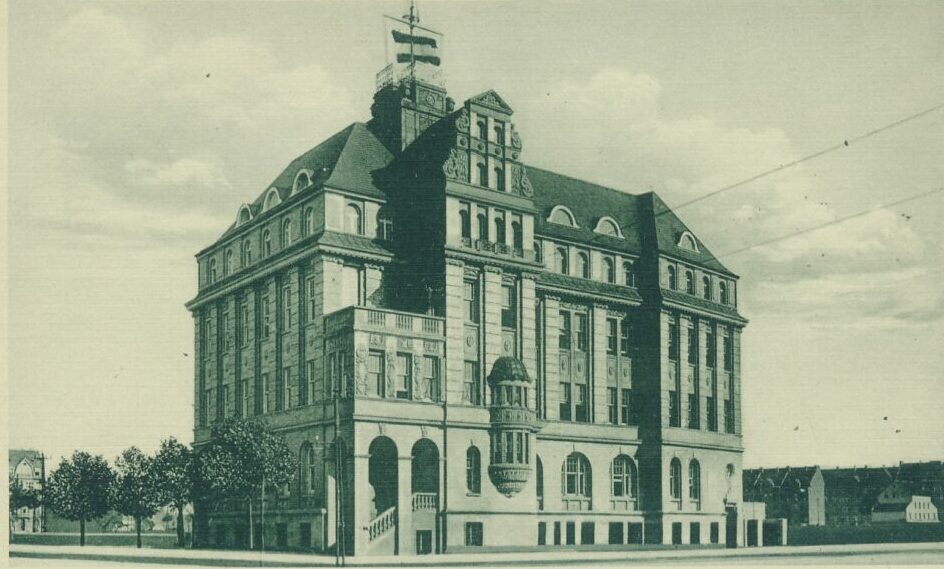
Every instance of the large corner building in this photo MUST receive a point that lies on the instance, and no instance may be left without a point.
(517, 358)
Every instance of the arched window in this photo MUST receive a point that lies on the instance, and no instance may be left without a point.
(473, 471)
(309, 226)
(694, 480)
(609, 270)
(286, 233)
(499, 134)
(483, 174)
(538, 253)
(562, 216)
(500, 229)
(673, 279)
(607, 226)
(352, 220)
(675, 479)
(689, 282)
(500, 179)
(629, 275)
(385, 224)
(465, 224)
(623, 476)
(213, 275)
(561, 262)
(307, 465)
(247, 253)
(723, 293)
(483, 129)
(245, 214)
(706, 288)
(482, 220)
(266, 243)
(272, 199)
(576, 479)
(687, 241)
(517, 235)
(228, 262)
(582, 265)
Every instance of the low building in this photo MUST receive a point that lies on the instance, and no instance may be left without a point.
(795, 494)
(28, 468)
(899, 503)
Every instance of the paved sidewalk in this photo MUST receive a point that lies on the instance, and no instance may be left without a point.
(224, 558)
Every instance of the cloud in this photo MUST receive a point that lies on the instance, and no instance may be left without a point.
(875, 263)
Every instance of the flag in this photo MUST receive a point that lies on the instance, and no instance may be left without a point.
(425, 48)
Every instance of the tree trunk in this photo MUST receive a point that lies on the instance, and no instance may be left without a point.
(137, 528)
(180, 525)
(82, 532)
(252, 530)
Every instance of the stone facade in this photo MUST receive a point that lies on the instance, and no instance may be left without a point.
(381, 277)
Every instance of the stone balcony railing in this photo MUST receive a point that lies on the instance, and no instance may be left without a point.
(383, 320)
(502, 249)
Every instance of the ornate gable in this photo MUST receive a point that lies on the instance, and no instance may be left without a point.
(492, 100)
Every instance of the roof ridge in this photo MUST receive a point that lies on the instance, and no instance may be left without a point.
(582, 181)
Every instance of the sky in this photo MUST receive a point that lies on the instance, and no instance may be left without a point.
(136, 129)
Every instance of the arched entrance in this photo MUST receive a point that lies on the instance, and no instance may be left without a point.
(424, 486)
(382, 475)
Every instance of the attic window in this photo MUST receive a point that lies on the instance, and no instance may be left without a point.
(302, 180)
(687, 241)
(608, 226)
(272, 198)
(244, 216)
(562, 216)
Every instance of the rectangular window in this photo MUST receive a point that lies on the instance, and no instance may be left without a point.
(309, 383)
(675, 419)
(634, 532)
(311, 295)
(509, 447)
(711, 346)
(509, 312)
(616, 533)
(265, 393)
(693, 418)
(571, 533)
(557, 533)
(612, 408)
(246, 398)
(282, 395)
(331, 376)
(431, 374)
(304, 535)
(625, 337)
(470, 377)
(474, 534)
(715, 532)
(244, 336)
(224, 330)
(626, 407)
(565, 402)
(583, 405)
(611, 338)
(694, 533)
(587, 533)
(673, 341)
(266, 317)
(581, 332)
(224, 400)
(692, 345)
(375, 372)
(542, 533)
(471, 300)
(404, 375)
(728, 346)
(286, 308)
(563, 335)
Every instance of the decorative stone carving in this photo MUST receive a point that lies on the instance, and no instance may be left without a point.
(462, 141)
(377, 340)
(391, 390)
(520, 182)
(462, 121)
(360, 372)
(515, 139)
(456, 166)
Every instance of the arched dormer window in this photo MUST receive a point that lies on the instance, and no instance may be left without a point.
(482, 128)
(482, 220)
(673, 278)
(266, 243)
(689, 282)
(608, 226)
(582, 266)
(687, 241)
(706, 288)
(302, 181)
(245, 215)
(353, 222)
(247, 253)
(500, 178)
(473, 471)
(483, 174)
(561, 262)
(629, 274)
(609, 270)
(286, 233)
(499, 134)
(723, 293)
(309, 223)
(272, 199)
(562, 216)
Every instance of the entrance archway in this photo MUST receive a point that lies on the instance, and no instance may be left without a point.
(382, 475)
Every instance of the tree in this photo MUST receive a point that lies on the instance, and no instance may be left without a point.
(78, 490)
(133, 491)
(173, 478)
(243, 460)
(21, 497)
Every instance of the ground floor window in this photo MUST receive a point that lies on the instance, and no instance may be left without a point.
(676, 533)
(281, 534)
(571, 533)
(694, 533)
(542, 533)
(221, 535)
(634, 530)
(616, 532)
(587, 533)
(715, 532)
(557, 533)
(304, 535)
(473, 534)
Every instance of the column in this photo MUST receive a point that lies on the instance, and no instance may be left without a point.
(405, 504)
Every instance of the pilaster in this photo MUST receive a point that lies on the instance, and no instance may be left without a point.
(597, 373)
(455, 330)
(551, 359)
(491, 300)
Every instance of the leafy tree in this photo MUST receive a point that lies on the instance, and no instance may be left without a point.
(21, 497)
(243, 460)
(78, 489)
(173, 478)
(133, 492)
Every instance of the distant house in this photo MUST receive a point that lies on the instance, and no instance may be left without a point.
(28, 467)
(899, 503)
(796, 494)
(852, 493)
